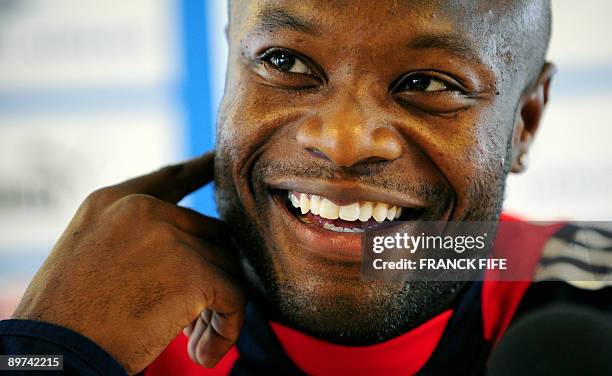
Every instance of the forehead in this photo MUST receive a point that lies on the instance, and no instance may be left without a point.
(403, 11)
(463, 27)
(373, 17)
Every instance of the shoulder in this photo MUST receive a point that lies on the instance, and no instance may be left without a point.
(567, 263)
(575, 267)
(578, 254)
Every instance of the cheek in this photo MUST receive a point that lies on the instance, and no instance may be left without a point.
(232, 125)
(246, 119)
(255, 120)
(247, 123)
(470, 152)
(473, 149)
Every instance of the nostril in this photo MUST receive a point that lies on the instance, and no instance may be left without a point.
(362, 162)
(371, 160)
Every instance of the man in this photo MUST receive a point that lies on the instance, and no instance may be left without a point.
(337, 116)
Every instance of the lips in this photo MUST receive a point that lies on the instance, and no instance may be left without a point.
(329, 218)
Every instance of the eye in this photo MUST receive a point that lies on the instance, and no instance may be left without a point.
(286, 61)
(431, 91)
(429, 83)
(423, 83)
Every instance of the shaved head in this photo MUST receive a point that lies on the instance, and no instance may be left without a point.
(517, 34)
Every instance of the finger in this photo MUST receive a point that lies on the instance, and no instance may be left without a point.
(185, 219)
(171, 183)
(228, 306)
(189, 329)
(207, 316)
(194, 334)
(198, 330)
(217, 339)
(199, 225)
(215, 290)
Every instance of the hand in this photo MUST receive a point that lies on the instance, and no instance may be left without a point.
(133, 269)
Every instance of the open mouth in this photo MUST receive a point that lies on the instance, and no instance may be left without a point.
(350, 217)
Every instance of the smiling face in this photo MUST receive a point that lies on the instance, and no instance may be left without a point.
(337, 117)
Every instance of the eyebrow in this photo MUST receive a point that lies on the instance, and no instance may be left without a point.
(272, 19)
(452, 43)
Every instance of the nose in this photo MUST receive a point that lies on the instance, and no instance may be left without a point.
(347, 136)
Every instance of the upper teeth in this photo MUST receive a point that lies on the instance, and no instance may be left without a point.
(325, 208)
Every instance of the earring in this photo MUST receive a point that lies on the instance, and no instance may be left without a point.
(523, 160)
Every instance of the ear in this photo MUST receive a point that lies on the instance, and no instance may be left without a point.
(531, 109)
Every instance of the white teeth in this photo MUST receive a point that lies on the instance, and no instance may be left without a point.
(315, 204)
(328, 209)
(294, 201)
(380, 212)
(349, 212)
(365, 211)
(331, 227)
(362, 211)
(304, 203)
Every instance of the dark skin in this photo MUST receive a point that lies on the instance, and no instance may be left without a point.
(318, 103)
(431, 108)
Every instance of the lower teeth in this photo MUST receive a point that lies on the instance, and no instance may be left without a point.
(331, 227)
